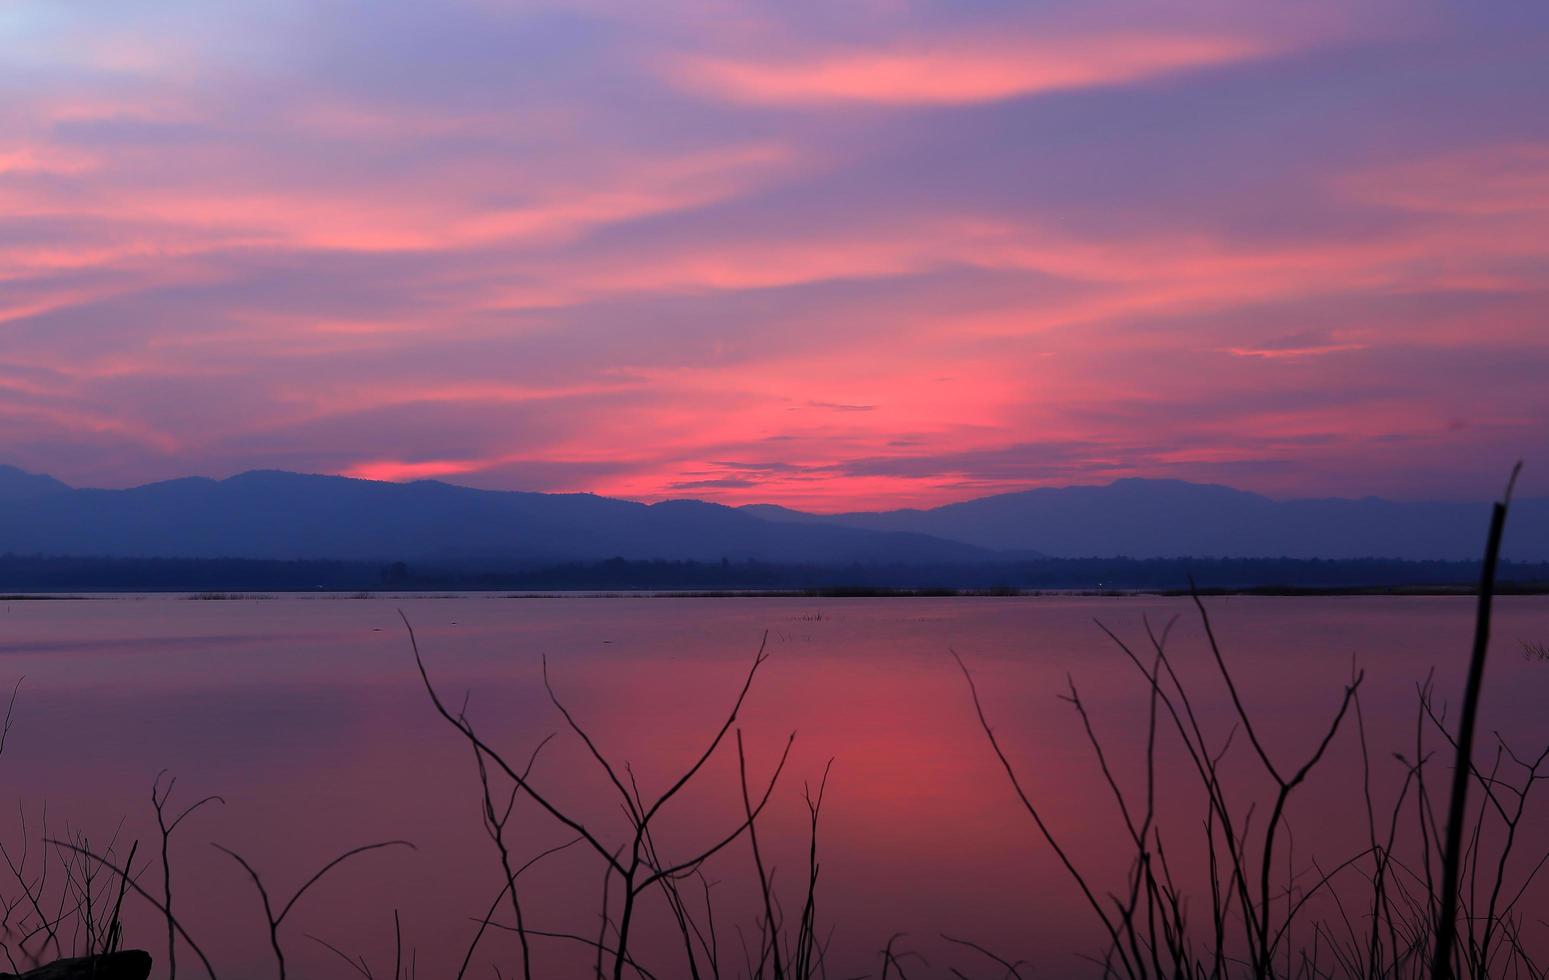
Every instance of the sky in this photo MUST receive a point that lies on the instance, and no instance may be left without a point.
(830, 255)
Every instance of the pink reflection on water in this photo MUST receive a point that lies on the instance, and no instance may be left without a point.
(305, 714)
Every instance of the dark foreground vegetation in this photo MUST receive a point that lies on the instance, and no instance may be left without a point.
(28, 574)
(1437, 891)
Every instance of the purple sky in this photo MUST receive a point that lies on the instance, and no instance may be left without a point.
(828, 255)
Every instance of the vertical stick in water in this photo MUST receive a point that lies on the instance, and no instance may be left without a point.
(1447, 923)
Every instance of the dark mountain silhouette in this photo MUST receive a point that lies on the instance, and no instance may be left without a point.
(280, 515)
(17, 485)
(277, 515)
(1171, 518)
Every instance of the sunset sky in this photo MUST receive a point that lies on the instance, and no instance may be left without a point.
(831, 255)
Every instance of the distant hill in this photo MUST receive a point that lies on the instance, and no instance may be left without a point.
(18, 485)
(288, 516)
(1171, 518)
(276, 515)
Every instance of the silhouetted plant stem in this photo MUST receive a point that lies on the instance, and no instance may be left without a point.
(273, 920)
(138, 890)
(643, 868)
(1442, 966)
(115, 928)
(159, 799)
(1043, 828)
(770, 923)
(487, 920)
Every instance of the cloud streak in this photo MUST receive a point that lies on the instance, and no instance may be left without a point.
(960, 72)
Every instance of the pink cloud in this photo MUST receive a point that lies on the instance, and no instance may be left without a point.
(248, 209)
(398, 471)
(1488, 181)
(43, 159)
(960, 72)
(1274, 353)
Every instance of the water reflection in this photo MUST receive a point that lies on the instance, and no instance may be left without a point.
(305, 714)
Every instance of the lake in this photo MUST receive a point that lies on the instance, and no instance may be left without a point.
(307, 716)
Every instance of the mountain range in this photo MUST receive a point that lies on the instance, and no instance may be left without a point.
(279, 515)
(1171, 518)
(276, 515)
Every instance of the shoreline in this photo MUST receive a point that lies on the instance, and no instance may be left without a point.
(1267, 591)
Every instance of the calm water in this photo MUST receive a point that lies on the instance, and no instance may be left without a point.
(306, 715)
